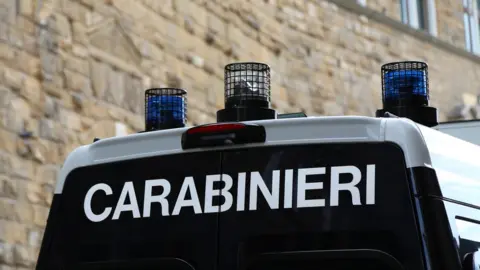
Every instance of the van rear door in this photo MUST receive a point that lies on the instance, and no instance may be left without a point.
(336, 205)
(135, 215)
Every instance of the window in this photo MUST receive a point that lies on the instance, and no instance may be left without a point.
(419, 14)
(472, 24)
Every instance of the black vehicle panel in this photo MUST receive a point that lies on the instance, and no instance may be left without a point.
(387, 225)
(75, 242)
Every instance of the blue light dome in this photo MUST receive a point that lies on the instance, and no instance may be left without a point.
(165, 108)
(401, 84)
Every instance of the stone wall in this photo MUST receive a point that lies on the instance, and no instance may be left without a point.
(449, 18)
(72, 70)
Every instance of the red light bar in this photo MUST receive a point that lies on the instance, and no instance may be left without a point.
(220, 134)
(215, 128)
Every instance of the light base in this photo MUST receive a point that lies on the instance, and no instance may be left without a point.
(423, 115)
(245, 114)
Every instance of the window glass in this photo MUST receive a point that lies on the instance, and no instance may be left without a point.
(421, 10)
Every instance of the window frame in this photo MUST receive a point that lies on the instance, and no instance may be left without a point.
(471, 22)
(410, 15)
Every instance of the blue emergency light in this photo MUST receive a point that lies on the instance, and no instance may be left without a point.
(405, 92)
(399, 84)
(165, 108)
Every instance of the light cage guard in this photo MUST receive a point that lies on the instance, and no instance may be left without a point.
(405, 92)
(405, 84)
(247, 85)
(165, 108)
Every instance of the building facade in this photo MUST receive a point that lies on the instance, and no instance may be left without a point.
(72, 70)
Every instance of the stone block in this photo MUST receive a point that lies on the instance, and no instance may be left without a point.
(8, 188)
(217, 9)
(76, 64)
(63, 27)
(101, 129)
(74, 10)
(197, 117)
(165, 8)
(15, 37)
(5, 162)
(93, 18)
(70, 120)
(16, 115)
(99, 73)
(54, 87)
(6, 253)
(148, 49)
(47, 174)
(26, 8)
(33, 94)
(192, 11)
(35, 237)
(29, 64)
(115, 92)
(7, 53)
(22, 168)
(77, 82)
(136, 121)
(51, 107)
(50, 151)
(13, 77)
(51, 130)
(13, 232)
(7, 141)
(40, 215)
(4, 32)
(134, 95)
(22, 256)
(135, 9)
(39, 194)
(80, 51)
(96, 109)
(51, 63)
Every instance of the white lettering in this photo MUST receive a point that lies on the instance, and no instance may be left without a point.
(87, 203)
(370, 184)
(188, 185)
(336, 186)
(122, 206)
(241, 191)
(257, 183)
(303, 186)
(295, 192)
(288, 196)
(162, 198)
(224, 192)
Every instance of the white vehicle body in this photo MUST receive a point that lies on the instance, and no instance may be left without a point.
(454, 161)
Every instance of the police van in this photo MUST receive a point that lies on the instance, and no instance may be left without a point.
(259, 190)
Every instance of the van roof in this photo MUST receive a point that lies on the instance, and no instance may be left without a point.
(329, 129)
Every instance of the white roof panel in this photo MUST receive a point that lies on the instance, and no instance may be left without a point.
(335, 129)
